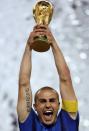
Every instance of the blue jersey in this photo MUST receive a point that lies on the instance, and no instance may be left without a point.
(63, 123)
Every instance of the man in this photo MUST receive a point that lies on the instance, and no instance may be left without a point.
(46, 99)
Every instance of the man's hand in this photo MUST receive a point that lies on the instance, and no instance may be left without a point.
(41, 30)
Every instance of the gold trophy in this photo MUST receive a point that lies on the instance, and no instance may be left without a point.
(42, 12)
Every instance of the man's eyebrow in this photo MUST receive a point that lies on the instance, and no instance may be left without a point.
(52, 99)
(42, 99)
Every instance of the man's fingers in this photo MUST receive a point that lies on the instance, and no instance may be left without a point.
(41, 25)
(40, 30)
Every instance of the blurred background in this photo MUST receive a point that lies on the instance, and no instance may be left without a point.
(70, 26)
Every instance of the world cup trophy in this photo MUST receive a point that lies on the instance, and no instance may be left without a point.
(42, 13)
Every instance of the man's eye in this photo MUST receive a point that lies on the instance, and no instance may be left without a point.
(52, 100)
(42, 101)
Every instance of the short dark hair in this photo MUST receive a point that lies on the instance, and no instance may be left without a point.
(45, 88)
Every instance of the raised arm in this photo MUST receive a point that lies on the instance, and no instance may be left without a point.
(66, 87)
(69, 100)
(24, 94)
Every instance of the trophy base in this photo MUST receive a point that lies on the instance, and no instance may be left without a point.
(40, 45)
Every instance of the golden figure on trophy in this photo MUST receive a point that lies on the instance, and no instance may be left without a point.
(42, 12)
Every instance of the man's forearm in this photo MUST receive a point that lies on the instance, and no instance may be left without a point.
(60, 62)
(24, 95)
(66, 87)
(25, 68)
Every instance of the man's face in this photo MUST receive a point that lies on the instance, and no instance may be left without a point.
(47, 105)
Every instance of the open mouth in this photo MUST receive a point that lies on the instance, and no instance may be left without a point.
(48, 113)
(48, 117)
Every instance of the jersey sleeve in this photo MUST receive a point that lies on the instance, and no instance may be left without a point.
(28, 123)
(69, 124)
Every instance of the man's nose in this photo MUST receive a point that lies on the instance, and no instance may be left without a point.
(48, 104)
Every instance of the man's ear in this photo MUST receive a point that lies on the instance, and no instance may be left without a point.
(59, 105)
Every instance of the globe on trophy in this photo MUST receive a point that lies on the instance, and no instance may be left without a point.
(42, 13)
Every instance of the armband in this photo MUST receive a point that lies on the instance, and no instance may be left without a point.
(70, 105)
